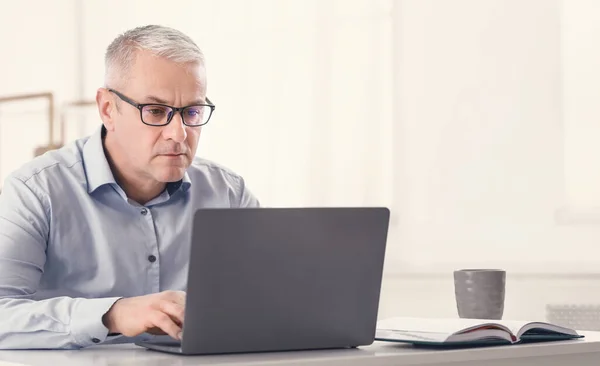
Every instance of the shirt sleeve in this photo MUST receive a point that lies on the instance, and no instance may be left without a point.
(26, 323)
(245, 197)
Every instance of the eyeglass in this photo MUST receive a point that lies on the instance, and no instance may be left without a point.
(154, 114)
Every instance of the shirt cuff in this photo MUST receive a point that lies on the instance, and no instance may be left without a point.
(87, 328)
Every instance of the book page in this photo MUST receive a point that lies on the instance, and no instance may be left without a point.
(548, 327)
(518, 326)
(411, 336)
(482, 335)
(447, 326)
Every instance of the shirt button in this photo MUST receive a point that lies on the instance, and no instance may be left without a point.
(144, 211)
(95, 340)
(151, 258)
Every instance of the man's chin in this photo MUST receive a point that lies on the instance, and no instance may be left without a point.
(171, 174)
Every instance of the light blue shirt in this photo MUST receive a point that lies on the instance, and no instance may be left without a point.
(72, 243)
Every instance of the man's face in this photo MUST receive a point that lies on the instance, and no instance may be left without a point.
(159, 153)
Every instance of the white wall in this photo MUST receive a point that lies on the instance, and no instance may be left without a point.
(38, 55)
(496, 153)
(480, 173)
(581, 110)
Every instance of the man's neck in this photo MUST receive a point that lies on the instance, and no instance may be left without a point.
(136, 189)
(139, 192)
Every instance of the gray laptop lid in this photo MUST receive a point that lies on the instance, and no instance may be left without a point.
(269, 279)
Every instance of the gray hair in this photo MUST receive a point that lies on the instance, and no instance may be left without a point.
(160, 40)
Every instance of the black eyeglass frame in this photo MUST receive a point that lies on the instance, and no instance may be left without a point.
(140, 107)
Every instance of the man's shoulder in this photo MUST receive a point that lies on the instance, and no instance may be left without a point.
(229, 184)
(51, 163)
(212, 169)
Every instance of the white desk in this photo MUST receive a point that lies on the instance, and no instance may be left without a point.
(579, 352)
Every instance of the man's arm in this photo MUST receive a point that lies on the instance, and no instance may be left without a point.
(60, 322)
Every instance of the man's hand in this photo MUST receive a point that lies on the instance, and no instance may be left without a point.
(160, 313)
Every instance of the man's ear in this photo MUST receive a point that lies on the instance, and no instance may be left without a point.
(106, 108)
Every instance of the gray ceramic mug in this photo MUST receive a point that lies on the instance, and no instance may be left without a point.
(480, 293)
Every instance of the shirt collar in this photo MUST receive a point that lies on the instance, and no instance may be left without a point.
(98, 171)
(183, 184)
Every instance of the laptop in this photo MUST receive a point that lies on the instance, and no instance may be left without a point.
(282, 279)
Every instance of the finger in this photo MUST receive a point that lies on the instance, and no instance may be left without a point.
(155, 331)
(167, 325)
(178, 297)
(174, 310)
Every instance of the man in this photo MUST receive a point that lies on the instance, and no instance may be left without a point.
(94, 237)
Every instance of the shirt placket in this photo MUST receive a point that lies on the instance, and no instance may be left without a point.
(152, 256)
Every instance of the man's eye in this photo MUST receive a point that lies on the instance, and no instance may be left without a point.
(156, 111)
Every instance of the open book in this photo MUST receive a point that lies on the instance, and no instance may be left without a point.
(468, 332)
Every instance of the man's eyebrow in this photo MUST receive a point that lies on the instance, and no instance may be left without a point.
(154, 99)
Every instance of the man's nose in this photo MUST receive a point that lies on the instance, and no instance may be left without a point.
(175, 130)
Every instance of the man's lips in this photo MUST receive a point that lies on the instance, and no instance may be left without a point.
(173, 156)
